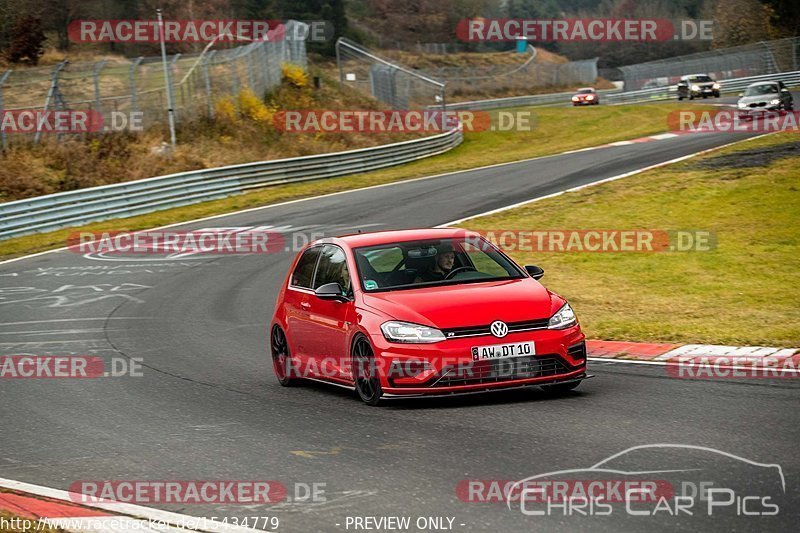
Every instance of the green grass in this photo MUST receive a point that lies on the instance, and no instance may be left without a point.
(555, 130)
(746, 291)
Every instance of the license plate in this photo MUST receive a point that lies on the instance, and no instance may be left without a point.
(500, 351)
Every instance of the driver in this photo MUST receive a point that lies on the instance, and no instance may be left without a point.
(445, 259)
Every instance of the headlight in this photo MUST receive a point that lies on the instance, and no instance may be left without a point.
(775, 101)
(695, 88)
(590, 97)
(563, 319)
(575, 98)
(742, 105)
(407, 332)
(716, 86)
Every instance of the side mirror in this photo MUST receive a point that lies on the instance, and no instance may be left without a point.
(331, 291)
(784, 90)
(535, 271)
(741, 94)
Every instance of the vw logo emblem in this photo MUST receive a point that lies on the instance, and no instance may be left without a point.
(499, 328)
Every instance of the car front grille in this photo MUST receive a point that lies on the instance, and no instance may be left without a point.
(513, 327)
(497, 370)
(758, 104)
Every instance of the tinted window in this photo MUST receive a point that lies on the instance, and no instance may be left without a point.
(332, 268)
(304, 271)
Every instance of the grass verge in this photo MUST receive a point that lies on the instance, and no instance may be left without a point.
(744, 292)
(556, 130)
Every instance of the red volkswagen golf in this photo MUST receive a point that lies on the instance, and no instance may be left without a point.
(421, 313)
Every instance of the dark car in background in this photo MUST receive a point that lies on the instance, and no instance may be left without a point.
(697, 85)
(765, 96)
(586, 96)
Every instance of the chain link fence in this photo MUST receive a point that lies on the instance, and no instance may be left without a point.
(499, 79)
(115, 85)
(766, 57)
(393, 84)
(404, 88)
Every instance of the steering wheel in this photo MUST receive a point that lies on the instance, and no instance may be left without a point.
(457, 270)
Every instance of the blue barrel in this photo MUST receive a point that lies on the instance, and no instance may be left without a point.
(522, 45)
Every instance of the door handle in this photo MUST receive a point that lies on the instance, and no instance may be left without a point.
(305, 305)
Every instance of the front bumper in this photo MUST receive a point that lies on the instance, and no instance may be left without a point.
(507, 386)
(749, 112)
(449, 367)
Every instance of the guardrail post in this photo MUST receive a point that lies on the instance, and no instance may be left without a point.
(3, 79)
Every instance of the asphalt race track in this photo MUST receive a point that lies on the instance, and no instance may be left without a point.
(208, 406)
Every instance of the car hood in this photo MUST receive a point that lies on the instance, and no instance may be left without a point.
(759, 98)
(470, 304)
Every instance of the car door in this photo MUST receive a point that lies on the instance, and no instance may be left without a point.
(297, 303)
(330, 321)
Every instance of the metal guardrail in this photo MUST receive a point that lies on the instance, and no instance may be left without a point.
(519, 101)
(735, 85)
(616, 96)
(74, 208)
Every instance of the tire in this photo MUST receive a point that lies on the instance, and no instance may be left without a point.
(367, 381)
(680, 98)
(281, 358)
(561, 388)
(691, 97)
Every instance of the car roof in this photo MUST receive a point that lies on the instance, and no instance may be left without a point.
(586, 89)
(756, 84)
(376, 238)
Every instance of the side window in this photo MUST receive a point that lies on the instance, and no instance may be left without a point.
(332, 268)
(304, 272)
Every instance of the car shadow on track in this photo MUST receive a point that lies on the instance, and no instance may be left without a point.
(483, 399)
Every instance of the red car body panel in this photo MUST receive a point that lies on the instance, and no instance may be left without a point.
(320, 333)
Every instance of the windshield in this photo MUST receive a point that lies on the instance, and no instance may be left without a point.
(409, 265)
(585, 91)
(765, 88)
(700, 79)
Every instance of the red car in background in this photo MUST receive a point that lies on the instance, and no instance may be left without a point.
(421, 313)
(586, 96)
